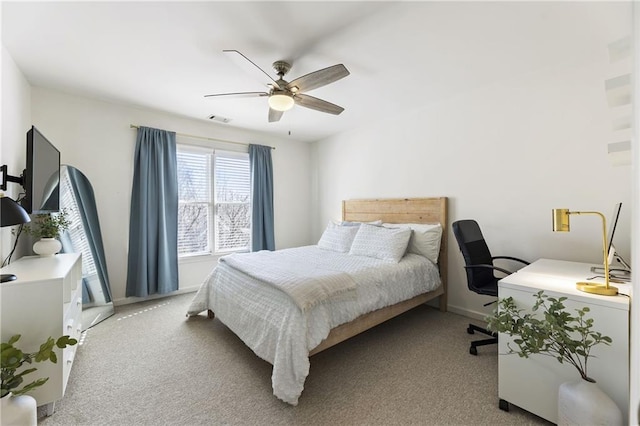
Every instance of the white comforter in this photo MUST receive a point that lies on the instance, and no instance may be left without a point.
(279, 331)
(308, 281)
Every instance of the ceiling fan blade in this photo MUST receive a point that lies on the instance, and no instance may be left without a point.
(319, 78)
(274, 115)
(239, 94)
(317, 104)
(243, 62)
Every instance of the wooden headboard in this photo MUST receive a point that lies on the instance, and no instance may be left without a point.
(405, 210)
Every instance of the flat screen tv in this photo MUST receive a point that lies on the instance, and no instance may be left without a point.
(42, 175)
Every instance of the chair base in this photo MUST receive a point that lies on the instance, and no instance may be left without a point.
(472, 329)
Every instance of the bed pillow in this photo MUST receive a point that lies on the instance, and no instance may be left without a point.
(349, 223)
(380, 242)
(425, 239)
(337, 238)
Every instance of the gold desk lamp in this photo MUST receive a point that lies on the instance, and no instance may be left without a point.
(561, 224)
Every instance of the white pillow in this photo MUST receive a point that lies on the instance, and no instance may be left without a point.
(348, 223)
(337, 238)
(425, 239)
(381, 243)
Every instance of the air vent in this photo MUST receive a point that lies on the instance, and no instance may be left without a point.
(219, 118)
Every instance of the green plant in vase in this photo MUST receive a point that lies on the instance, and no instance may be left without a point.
(48, 225)
(13, 358)
(554, 333)
(550, 330)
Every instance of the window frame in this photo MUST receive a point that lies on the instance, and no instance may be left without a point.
(212, 225)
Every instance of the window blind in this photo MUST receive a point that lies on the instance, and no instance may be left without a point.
(76, 230)
(233, 201)
(194, 200)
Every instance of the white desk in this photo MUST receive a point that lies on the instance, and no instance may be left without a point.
(532, 383)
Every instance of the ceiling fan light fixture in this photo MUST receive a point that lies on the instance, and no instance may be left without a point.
(281, 102)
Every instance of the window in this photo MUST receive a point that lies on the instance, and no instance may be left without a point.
(214, 210)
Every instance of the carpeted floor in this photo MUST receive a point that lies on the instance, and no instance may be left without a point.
(150, 365)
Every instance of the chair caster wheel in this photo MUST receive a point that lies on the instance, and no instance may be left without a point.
(470, 330)
(473, 350)
(503, 405)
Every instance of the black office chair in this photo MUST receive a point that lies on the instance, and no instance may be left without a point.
(480, 271)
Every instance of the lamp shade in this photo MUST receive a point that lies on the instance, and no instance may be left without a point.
(11, 213)
(560, 220)
(280, 102)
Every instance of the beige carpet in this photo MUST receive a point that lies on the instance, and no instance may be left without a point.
(150, 365)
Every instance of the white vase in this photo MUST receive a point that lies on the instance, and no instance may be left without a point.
(584, 403)
(47, 246)
(18, 410)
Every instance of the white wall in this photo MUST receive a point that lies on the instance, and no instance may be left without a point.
(634, 403)
(15, 121)
(96, 138)
(505, 154)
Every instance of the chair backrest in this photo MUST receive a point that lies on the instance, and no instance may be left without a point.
(475, 252)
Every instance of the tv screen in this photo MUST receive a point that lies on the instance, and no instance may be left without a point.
(42, 175)
(612, 226)
(613, 255)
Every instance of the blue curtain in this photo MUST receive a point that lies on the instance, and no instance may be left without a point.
(85, 198)
(153, 225)
(262, 198)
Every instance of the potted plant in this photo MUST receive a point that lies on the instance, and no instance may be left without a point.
(550, 330)
(18, 408)
(47, 227)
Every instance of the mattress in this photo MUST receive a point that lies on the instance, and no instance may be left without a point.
(275, 327)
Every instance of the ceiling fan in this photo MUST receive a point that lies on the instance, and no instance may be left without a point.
(283, 95)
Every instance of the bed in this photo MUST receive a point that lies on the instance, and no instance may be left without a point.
(333, 296)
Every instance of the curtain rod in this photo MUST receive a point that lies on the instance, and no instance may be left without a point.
(133, 126)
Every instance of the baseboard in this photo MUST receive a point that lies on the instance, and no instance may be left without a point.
(467, 312)
(129, 300)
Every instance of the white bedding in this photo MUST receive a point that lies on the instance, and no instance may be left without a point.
(308, 281)
(272, 324)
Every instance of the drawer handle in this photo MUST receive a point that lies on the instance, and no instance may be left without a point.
(70, 324)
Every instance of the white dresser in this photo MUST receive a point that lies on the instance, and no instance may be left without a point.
(45, 301)
(532, 383)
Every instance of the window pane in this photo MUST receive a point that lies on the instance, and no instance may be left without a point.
(193, 232)
(233, 201)
(233, 226)
(193, 176)
(232, 179)
(194, 189)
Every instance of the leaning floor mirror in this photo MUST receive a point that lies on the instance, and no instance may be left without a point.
(84, 236)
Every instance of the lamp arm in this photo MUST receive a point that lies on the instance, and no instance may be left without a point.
(604, 243)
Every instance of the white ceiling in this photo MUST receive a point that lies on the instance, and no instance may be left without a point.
(401, 55)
